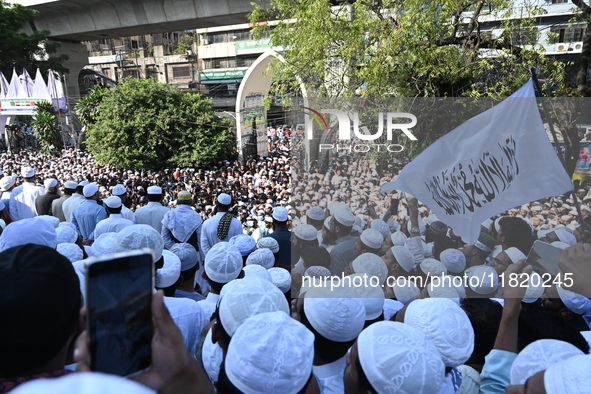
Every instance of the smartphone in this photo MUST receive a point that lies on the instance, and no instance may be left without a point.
(119, 291)
(544, 257)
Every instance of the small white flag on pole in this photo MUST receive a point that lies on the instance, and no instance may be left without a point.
(495, 161)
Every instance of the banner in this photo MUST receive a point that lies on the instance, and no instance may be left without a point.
(495, 161)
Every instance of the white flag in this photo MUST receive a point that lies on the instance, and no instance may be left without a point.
(495, 161)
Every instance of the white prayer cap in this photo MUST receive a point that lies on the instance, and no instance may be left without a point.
(317, 271)
(336, 206)
(391, 307)
(118, 190)
(403, 256)
(250, 296)
(566, 237)
(223, 262)
(65, 234)
(381, 226)
(280, 278)
(470, 380)
(428, 249)
(514, 254)
(576, 302)
(454, 260)
(538, 356)
(263, 257)
(486, 223)
(55, 222)
(49, 183)
(82, 383)
(113, 202)
(84, 183)
(280, 214)
(140, 236)
(187, 254)
(170, 271)
(372, 238)
(90, 190)
(487, 279)
(258, 271)
(224, 199)
(336, 319)
(446, 324)
(154, 190)
(68, 224)
(405, 290)
(392, 224)
(535, 288)
(244, 243)
(71, 251)
(27, 172)
(444, 289)
(253, 359)
(268, 243)
(398, 238)
(372, 265)
(7, 182)
(344, 217)
(28, 231)
(398, 358)
(433, 267)
(70, 185)
(104, 244)
(569, 376)
(306, 232)
(316, 213)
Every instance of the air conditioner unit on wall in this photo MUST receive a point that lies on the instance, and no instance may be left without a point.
(562, 48)
(578, 47)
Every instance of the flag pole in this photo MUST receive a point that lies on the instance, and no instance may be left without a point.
(534, 77)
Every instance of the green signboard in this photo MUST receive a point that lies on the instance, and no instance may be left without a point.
(252, 46)
(218, 75)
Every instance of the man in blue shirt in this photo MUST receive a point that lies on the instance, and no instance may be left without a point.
(86, 216)
(282, 235)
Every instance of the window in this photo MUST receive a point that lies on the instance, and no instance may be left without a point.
(566, 33)
(181, 72)
(229, 62)
(559, 1)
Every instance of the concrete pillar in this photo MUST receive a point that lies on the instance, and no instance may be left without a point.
(77, 60)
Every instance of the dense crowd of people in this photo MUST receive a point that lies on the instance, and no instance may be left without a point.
(273, 277)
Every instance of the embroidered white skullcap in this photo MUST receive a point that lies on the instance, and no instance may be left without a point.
(446, 324)
(405, 290)
(263, 257)
(104, 244)
(566, 237)
(55, 222)
(403, 256)
(538, 356)
(280, 278)
(560, 244)
(382, 227)
(249, 296)
(70, 185)
(317, 271)
(118, 190)
(28, 231)
(428, 249)
(391, 307)
(223, 262)
(336, 319)
(398, 358)
(306, 232)
(280, 214)
(442, 287)
(83, 383)
(65, 234)
(433, 267)
(49, 183)
(27, 172)
(187, 254)
(68, 224)
(224, 199)
(244, 243)
(454, 260)
(486, 279)
(372, 238)
(514, 254)
(268, 243)
(154, 190)
(535, 288)
(569, 376)
(344, 217)
(398, 238)
(170, 271)
(458, 283)
(140, 236)
(470, 380)
(576, 302)
(372, 265)
(336, 206)
(7, 182)
(316, 213)
(258, 271)
(113, 202)
(71, 251)
(90, 190)
(263, 352)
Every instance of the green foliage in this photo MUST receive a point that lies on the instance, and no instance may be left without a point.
(20, 50)
(143, 124)
(185, 43)
(46, 127)
(87, 108)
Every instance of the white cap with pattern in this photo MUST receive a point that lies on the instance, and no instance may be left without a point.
(223, 262)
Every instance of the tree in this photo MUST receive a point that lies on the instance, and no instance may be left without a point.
(20, 50)
(46, 127)
(143, 124)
